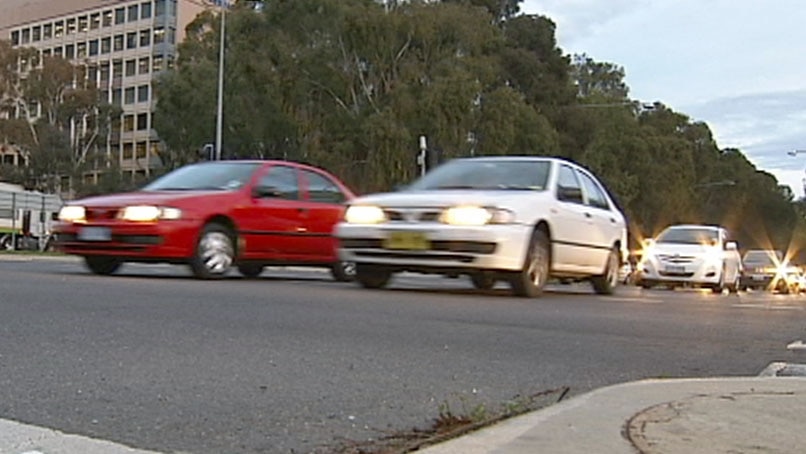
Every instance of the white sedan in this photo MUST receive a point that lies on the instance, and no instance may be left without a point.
(692, 255)
(521, 219)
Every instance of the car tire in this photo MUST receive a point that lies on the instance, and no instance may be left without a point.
(483, 280)
(372, 276)
(606, 283)
(343, 271)
(214, 253)
(530, 281)
(102, 265)
(717, 288)
(250, 270)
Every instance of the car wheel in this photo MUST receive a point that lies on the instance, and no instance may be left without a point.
(717, 288)
(343, 271)
(102, 265)
(483, 280)
(530, 281)
(250, 270)
(607, 282)
(372, 276)
(214, 253)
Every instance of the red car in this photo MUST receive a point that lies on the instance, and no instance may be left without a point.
(213, 215)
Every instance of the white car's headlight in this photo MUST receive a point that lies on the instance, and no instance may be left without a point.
(146, 213)
(72, 213)
(364, 214)
(473, 215)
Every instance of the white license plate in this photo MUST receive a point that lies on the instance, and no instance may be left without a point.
(675, 269)
(95, 234)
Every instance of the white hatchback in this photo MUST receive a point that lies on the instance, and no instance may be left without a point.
(692, 255)
(521, 219)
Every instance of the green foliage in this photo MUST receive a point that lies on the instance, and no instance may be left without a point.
(350, 85)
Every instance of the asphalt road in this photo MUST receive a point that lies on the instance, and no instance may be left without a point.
(293, 362)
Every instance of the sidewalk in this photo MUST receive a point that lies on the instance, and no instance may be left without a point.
(682, 416)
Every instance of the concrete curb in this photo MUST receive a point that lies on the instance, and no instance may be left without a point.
(18, 438)
(598, 421)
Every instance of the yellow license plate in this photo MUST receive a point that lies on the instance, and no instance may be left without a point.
(409, 241)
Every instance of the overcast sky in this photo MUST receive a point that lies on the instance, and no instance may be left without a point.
(738, 65)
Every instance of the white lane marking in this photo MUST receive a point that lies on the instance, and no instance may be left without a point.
(797, 345)
(768, 306)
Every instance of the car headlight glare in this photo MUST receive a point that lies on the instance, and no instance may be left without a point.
(72, 213)
(149, 213)
(364, 214)
(473, 215)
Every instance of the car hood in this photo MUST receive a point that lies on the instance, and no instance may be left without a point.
(446, 198)
(683, 249)
(160, 198)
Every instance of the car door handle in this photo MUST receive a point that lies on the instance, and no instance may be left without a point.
(588, 215)
(612, 220)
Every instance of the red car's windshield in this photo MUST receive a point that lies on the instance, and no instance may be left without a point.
(223, 176)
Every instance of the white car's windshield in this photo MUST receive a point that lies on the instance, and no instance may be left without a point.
(688, 235)
(525, 174)
(205, 176)
(763, 257)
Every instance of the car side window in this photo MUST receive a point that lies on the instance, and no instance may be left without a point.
(281, 182)
(321, 189)
(596, 197)
(568, 188)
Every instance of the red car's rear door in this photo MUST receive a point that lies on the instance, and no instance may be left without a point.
(324, 199)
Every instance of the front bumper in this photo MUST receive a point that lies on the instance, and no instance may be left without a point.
(446, 248)
(168, 240)
(697, 273)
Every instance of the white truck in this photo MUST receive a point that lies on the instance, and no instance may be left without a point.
(26, 217)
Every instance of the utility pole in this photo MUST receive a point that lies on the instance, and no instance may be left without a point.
(421, 161)
(220, 105)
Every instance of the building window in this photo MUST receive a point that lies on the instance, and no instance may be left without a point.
(36, 34)
(93, 48)
(131, 40)
(118, 42)
(131, 67)
(95, 21)
(58, 29)
(83, 24)
(47, 31)
(104, 73)
(142, 93)
(46, 52)
(26, 36)
(142, 124)
(145, 10)
(128, 123)
(155, 148)
(15, 38)
(142, 149)
(92, 73)
(117, 97)
(157, 63)
(57, 51)
(145, 38)
(134, 13)
(117, 69)
(128, 97)
(171, 36)
(106, 45)
(128, 149)
(69, 51)
(81, 50)
(159, 35)
(159, 7)
(107, 18)
(144, 66)
(120, 16)
(71, 26)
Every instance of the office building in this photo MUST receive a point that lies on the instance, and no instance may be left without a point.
(125, 44)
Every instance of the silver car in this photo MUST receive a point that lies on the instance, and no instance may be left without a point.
(520, 219)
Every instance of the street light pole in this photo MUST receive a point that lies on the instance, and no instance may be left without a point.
(220, 106)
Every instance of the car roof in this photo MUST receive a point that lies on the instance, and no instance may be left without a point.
(695, 226)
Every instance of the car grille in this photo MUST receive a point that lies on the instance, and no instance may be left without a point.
(676, 259)
(412, 215)
(100, 214)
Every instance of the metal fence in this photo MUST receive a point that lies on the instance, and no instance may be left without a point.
(26, 218)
